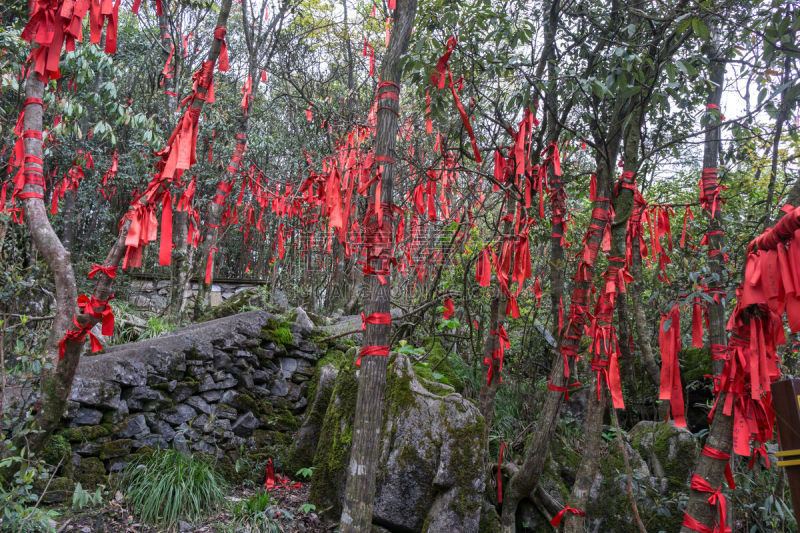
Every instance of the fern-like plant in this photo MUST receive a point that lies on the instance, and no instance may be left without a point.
(170, 485)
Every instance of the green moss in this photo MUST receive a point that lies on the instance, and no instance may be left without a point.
(56, 450)
(86, 433)
(115, 448)
(490, 521)
(91, 473)
(463, 457)
(281, 420)
(60, 490)
(333, 448)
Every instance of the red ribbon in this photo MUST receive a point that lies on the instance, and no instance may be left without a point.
(210, 263)
(565, 390)
(669, 340)
(384, 319)
(449, 309)
(110, 271)
(717, 499)
(556, 521)
(219, 34)
(165, 248)
(100, 310)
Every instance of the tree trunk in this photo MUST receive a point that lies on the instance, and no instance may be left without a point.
(604, 316)
(720, 435)
(360, 488)
(180, 264)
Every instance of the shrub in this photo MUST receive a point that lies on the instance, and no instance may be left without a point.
(170, 485)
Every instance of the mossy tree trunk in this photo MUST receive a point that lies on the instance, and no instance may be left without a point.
(360, 487)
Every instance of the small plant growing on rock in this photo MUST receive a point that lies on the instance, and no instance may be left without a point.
(170, 485)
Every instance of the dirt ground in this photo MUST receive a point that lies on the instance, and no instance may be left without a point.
(285, 513)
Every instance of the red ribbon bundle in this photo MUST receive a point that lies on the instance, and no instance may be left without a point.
(449, 309)
(669, 340)
(100, 310)
(273, 480)
(78, 335)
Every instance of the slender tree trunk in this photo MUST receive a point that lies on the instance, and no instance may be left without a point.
(360, 487)
(165, 37)
(783, 114)
(180, 264)
(69, 220)
(56, 385)
(720, 435)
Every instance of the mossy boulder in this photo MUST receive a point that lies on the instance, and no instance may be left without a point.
(60, 490)
(430, 476)
(90, 473)
(305, 442)
(670, 452)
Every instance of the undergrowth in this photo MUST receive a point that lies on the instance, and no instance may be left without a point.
(170, 485)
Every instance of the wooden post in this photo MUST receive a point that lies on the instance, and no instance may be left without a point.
(786, 401)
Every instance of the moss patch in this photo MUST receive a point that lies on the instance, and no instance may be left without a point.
(91, 473)
(86, 433)
(56, 450)
(333, 448)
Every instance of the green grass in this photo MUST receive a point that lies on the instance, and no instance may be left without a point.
(170, 485)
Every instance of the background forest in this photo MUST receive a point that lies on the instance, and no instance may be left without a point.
(567, 189)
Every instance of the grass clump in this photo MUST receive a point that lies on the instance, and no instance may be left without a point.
(170, 485)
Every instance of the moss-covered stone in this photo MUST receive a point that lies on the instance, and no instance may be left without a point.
(90, 473)
(56, 450)
(86, 433)
(115, 448)
(670, 451)
(59, 490)
(333, 448)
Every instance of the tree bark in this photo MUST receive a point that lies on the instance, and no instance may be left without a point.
(720, 435)
(360, 487)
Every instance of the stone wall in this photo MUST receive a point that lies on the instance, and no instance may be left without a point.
(153, 295)
(220, 388)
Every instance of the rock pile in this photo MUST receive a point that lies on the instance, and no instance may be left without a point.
(219, 388)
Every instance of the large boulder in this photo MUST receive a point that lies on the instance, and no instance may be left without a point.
(430, 475)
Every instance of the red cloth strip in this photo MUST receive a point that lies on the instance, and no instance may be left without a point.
(110, 271)
(32, 134)
(565, 390)
(32, 100)
(210, 264)
(556, 521)
(722, 456)
(384, 319)
(694, 525)
(219, 34)
(716, 499)
(382, 351)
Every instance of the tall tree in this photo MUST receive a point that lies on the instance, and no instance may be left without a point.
(379, 239)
